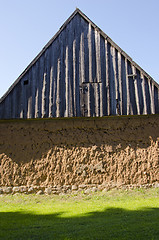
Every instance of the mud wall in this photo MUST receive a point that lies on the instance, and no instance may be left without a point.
(50, 152)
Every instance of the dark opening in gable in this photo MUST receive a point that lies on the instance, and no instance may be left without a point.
(26, 82)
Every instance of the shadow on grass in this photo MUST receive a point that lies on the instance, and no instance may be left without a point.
(113, 223)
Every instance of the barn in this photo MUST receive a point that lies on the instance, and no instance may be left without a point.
(84, 117)
(80, 72)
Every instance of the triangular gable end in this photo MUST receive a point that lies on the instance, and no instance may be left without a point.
(81, 72)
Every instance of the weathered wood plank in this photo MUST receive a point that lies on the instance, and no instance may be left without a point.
(120, 97)
(97, 49)
(101, 98)
(74, 80)
(82, 65)
(136, 90)
(58, 90)
(151, 91)
(115, 81)
(127, 87)
(67, 83)
(90, 52)
(144, 93)
(51, 93)
(107, 78)
(153, 99)
(44, 96)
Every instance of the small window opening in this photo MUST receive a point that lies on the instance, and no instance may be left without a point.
(26, 82)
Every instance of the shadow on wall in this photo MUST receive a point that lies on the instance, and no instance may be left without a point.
(24, 141)
(112, 224)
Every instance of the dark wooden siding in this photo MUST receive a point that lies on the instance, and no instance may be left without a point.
(81, 73)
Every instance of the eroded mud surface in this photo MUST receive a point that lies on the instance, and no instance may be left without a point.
(123, 150)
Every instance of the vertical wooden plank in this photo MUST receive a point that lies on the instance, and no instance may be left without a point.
(21, 112)
(36, 103)
(36, 89)
(47, 71)
(29, 107)
(7, 107)
(89, 100)
(115, 60)
(127, 87)
(29, 95)
(24, 98)
(14, 102)
(34, 84)
(103, 76)
(19, 96)
(3, 109)
(153, 99)
(44, 96)
(82, 66)
(107, 78)
(115, 80)
(54, 87)
(74, 79)
(112, 82)
(151, 89)
(136, 90)
(96, 95)
(38, 92)
(90, 52)
(120, 97)
(124, 85)
(156, 106)
(51, 94)
(94, 68)
(10, 103)
(86, 99)
(70, 65)
(147, 95)
(62, 73)
(77, 66)
(41, 73)
(58, 90)
(150, 92)
(101, 99)
(67, 83)
(144, 93)
(50, 83)
(86, 51)
(97, 49)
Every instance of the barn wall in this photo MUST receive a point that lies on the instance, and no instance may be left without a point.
(109, 150)
(81, 73)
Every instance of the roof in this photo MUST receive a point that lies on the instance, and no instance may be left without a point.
(77, 11)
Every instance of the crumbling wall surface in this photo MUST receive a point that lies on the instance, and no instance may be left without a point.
(50, 152)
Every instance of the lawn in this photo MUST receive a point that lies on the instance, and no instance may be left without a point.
(117, 214)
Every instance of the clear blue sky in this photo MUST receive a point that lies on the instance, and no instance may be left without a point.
(27, 25)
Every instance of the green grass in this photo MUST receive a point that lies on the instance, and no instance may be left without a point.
(114, 215)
